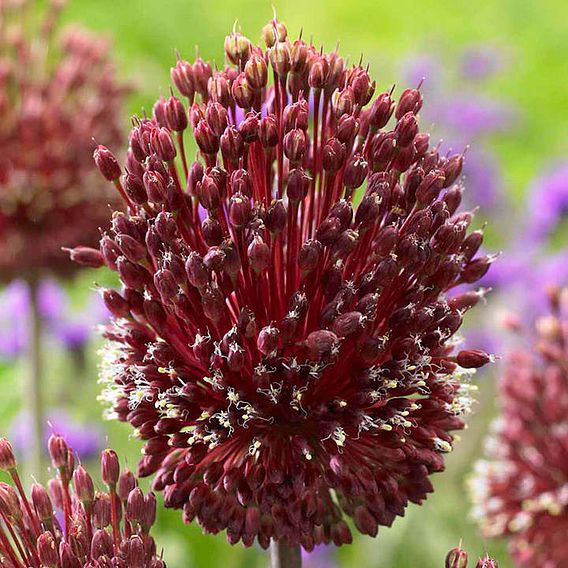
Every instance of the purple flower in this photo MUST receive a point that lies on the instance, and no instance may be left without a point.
(85, 439)
(320, 557)
(480, 62)
(547, 203)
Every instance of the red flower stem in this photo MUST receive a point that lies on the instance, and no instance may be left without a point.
(182, 153)
(114, 519)
(6, 547)
(24, 499)
(284, 556)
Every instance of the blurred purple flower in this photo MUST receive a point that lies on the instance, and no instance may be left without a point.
(547, 204)
(479, 62)
(86, 439)
(320, 557)
(70, 328)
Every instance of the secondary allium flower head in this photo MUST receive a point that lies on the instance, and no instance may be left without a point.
(57, 92)
(521, 491)
(69, 524)
(289, 358)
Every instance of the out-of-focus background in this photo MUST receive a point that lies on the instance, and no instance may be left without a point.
(495, 78)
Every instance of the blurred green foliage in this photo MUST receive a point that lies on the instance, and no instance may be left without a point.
(533, 34)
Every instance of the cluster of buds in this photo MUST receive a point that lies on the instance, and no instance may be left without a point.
(458, 558)
(521, 490)
(69, 524)
(283, 338)
(57, 92)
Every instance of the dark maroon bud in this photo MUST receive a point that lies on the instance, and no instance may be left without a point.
(406, 129)
(110, 468)
(214, 259)
(368, 210)
(217, 118)
(381, 110)
(268, 131)
(206, 139)
(107, 163)
(309, 255)
(166, 284)
(298, 184)
(47, 550)
(295, 145)
(203, 348)
(115, 303)
(356, 171)
(212, 231)
(333, 155)
(347, 129)
(183, 78)
(267, 341)
(452, 198)
(84, 487)
(452, 169)
(345, 244)
(232, 144)
(58, 451)
(471, 244)
(196, 115)
(347, 324)
(296, 115)
(126, 483)
(132, 249)
(472, 359)
(410, 101)
(159, 111)
(68, 558)
(344, 102)
(42, 502)
(155, 186)
(363, 88)
(163, 144)
(7, 456)
(299, 56)
(476, 269)
(328, 232)
(197, 273)
(219, 89)
(249, 127)
(155, 314)
(202, 72)
(135, 505)
(86, 256)
(456, 558)
(421, 143)
(134, 188)
(276, 216)
(208, 193)
(383, 149)
(175, 115)
(132, 275)
(343, 210)
(279, 57)
(319, 72)
(256, 71)
(258, 254)
(101, 544)
(213, 303)
(242, 92)
(232, 261)
(246, 323)
(321, 343)
(430, 187)
(239, 210)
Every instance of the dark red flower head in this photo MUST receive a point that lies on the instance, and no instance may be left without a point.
(57, 93)
(283, 341)
(521, 491)
(69, 524)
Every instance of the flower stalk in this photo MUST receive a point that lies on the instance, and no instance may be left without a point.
(285, 556)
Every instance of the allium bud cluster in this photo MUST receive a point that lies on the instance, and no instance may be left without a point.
(57, 93)
(69, 524)
(283, 340)
(521, 490)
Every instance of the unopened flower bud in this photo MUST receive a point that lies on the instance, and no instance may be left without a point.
(107, 163)
(110, 468)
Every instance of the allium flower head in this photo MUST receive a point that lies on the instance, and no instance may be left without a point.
(57, 92)
(289, 357)
(521, 491)
(70, 525)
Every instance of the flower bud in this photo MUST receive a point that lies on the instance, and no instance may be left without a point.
(456, 558)
(256, 72)
(410, 101)
(472, 359)
(58, 451)
(267, 341)
(183, 78)
(406, 129)
(86, 256)
(110, 468)
(47, 550)
(83, 485)
(7, 456)
(268, 131)
(381, 110)
(107, 163)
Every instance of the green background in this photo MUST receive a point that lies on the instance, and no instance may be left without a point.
(534, 35)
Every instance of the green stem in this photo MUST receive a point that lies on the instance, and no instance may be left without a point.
(283, 556)
(33, 395)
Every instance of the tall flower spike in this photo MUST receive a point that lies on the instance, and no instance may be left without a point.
(283, 341)
(100, 528)
(58, 92)
(520, 492)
